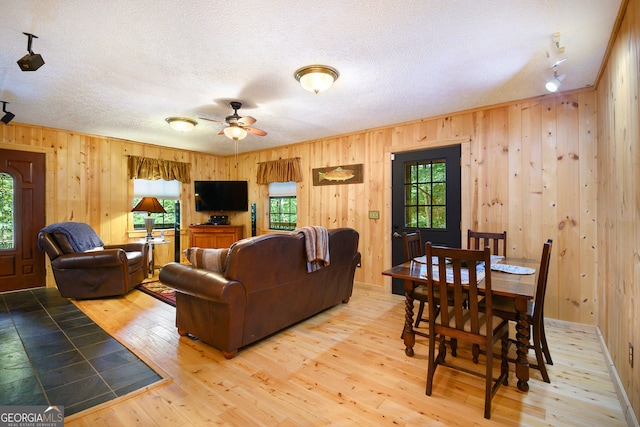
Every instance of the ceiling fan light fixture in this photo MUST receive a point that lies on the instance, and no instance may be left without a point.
(316, 78)
(181, 124)
(235, 132)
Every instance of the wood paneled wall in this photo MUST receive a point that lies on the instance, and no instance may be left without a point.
(529, 168)
(618, 202)
(86, 180)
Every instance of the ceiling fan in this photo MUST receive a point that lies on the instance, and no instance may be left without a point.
(237, 127)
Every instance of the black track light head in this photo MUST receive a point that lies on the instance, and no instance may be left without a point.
(31, 61)
(8, 116)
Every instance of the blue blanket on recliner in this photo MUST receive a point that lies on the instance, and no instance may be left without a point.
(80, 235)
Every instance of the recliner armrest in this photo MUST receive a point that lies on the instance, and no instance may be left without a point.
(129, 247)
(94, 259)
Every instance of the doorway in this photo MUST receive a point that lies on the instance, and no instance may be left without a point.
(425, 196)
(22, 215)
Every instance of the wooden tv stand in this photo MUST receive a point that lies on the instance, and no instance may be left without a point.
(215, 236)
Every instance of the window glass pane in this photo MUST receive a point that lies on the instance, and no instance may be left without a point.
(283, 213)
(439, 171)
(424, 219)
(6, 211)
(439, 194)
(439, 217)
(425, 194)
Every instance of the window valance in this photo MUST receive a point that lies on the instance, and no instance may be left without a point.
(147, 168)
(282, 170)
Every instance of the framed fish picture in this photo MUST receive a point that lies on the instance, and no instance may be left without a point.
(345, 174)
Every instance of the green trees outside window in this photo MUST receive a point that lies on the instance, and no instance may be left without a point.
(425, 194)
(283, 213)
(6, 211)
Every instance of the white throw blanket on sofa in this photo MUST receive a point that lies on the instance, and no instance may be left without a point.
(316, 241)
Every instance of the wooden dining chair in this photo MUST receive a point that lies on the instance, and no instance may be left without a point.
(504, 307)
(496, 241)
(413, 247)
(467, 324)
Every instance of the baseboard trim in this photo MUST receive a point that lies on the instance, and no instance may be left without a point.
(632, 420)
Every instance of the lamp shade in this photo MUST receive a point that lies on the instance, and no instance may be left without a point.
(235, 132)
(150, 205)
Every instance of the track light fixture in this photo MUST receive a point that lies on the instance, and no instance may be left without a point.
(8, 116)
(554, 84)
(31, 61)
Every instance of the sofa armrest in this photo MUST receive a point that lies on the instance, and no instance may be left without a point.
(94, 259)
(200, 283)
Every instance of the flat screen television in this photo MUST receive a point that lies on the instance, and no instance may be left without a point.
(221, 196)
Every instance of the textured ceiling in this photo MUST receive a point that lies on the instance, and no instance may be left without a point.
(118, 68)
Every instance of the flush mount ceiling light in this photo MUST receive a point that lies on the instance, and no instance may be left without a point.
(181, 124)
(316, 78)
(8, 116)
(235, 132)
(31, 61)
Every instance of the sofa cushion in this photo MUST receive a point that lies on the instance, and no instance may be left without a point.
(208, 259)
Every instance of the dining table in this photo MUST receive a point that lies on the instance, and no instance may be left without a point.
(518, 287)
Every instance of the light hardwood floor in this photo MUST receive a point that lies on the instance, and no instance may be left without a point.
(343, 367)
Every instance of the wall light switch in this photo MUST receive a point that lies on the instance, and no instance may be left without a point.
(374, 214)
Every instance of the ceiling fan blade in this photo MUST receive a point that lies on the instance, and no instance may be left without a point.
(221, 132)
(212, 120)
(246, 121)
(255, 131)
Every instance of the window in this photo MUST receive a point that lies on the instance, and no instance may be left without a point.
(6, 211)
(283, 206)
(425, 187)
(167, 193)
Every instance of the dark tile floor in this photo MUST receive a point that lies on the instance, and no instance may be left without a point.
(51, 353)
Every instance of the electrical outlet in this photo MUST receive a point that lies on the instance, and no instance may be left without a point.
(631, 354)
(374, 214)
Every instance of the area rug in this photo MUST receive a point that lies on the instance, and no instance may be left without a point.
(159, 290)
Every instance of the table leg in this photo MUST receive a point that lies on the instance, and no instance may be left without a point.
(408, 336)
(522, 344)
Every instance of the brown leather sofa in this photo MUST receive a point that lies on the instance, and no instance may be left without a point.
(114, 270)
(265, 288)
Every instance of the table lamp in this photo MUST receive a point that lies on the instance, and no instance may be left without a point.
(149, 205)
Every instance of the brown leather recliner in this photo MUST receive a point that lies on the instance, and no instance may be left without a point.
(113, 270)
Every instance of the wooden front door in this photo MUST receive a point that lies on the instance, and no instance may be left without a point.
(22, 196)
